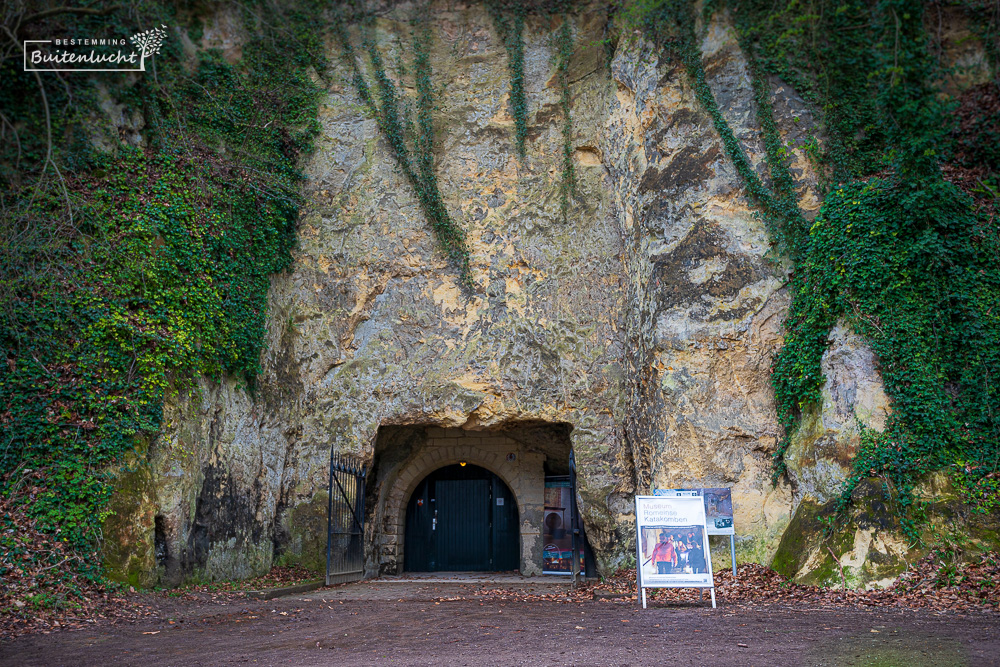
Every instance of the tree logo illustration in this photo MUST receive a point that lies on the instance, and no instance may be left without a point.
(148, 42)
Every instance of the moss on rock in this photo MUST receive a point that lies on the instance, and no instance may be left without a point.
(129, 552)
(868, 548)
(307, 530)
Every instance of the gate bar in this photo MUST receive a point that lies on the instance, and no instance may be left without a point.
(349, 522)
(329, 518)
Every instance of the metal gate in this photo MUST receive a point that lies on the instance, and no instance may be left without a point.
(345, 522)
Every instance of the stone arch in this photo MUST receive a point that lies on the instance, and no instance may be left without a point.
(518, 455)
(430, 460)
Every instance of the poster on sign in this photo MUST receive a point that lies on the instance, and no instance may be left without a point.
(718, 507)
(672, 543)
(719, 511)
(557, 529)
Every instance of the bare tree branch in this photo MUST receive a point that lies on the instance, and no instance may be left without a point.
(48, 152)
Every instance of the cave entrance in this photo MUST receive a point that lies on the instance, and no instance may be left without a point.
(414, 464)
(462, 518)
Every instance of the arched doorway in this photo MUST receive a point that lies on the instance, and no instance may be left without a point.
(462, 518)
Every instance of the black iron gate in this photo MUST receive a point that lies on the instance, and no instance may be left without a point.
(345, 522)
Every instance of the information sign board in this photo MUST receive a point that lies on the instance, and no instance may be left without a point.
(672, 544)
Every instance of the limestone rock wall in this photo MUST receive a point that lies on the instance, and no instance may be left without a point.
(646, 320)
(707, 303)
(853, 398)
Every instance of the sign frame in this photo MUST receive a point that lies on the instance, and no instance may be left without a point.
(684, 512)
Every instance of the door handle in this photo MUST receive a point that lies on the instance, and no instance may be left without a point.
(434, 521)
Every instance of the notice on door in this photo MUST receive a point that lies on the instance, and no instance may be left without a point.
(672, 543)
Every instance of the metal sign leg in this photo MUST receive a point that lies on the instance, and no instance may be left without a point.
(638, 559)
(732, 550)
(713, 596)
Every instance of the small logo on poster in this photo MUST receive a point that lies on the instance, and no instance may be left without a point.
(93, 54)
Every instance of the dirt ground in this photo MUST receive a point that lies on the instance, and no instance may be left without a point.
(450, 623)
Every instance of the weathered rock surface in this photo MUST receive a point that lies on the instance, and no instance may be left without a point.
(646, 320)
(853, 398)
(706, 304)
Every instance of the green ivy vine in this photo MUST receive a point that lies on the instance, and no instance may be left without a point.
(508, 18)
(129, 272)
(908, 259)
(564, 52)
(416, 163)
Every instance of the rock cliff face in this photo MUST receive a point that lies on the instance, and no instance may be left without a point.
(645, 321)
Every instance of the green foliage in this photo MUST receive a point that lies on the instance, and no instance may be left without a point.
(155, 262)
(672, 24)
(416, 163)
(564, 51)
(903, 262)
(904, 256)
(982, 491)
(508, 18)
(825, 50)
(412, 144)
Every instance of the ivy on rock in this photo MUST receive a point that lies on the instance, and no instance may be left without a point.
(509, 20)
(416, 162)
(564, 52)
(897, 250)
(157, 254)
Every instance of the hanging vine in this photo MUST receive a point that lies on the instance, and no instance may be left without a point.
(902, 254)
(417, 164)
(508, 18)
(564, 52)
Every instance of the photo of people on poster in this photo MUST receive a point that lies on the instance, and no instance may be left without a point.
(673, 550)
